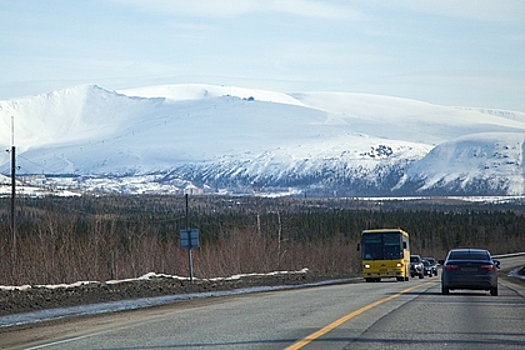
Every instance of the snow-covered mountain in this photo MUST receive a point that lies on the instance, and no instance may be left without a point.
(229, 139)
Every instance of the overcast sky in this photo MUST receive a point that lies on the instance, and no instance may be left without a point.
(452, 52)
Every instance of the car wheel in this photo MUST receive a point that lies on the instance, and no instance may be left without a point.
(494, 291)
(407, 279)
(444, 290)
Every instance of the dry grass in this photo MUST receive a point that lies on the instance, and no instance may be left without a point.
(54, 254)
(126, 237)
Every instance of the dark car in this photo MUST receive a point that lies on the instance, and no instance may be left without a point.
(430, 270)
(417, 268)
(472, 269)
(433, 265)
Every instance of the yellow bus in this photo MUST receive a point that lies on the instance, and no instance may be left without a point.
(385, 254)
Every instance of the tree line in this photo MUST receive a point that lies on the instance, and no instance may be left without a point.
(63, 240)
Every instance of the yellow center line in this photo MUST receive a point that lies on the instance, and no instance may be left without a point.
(337, 323)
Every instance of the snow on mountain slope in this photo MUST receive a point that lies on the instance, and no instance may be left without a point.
(486, 163)
(156, 134)
(415, 121)
(79, 113)
(186, 131)
(186, 92)
(226, 137)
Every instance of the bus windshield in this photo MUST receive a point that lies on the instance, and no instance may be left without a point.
(382, 246)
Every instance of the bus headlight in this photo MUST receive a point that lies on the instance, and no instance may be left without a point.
(399, 265)
(367, 266)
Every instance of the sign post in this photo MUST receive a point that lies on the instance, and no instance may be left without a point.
(189, 239)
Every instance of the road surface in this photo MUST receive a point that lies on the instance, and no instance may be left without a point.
(386, 315)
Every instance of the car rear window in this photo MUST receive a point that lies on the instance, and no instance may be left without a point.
(468, 256)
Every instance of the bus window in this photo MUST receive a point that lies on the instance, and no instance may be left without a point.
(382, 247)
(373, 251)
(392, 247)
(372, 247)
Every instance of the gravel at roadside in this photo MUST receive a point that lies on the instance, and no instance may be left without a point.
(37, 298)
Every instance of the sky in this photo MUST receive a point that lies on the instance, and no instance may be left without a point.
(449, 52)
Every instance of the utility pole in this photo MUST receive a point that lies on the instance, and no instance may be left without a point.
(279, 240)
(13, 191)
(190, 257)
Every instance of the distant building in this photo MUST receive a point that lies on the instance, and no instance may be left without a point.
(193, 190)
(36, 180)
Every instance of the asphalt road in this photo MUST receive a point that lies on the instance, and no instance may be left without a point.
(386, 315)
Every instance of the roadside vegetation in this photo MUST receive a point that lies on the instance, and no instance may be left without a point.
(64, 240)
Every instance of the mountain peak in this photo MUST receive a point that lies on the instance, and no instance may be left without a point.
(186, 92)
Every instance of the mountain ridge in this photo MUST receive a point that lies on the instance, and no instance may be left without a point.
(240, 140)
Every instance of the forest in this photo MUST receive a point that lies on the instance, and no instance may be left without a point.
(56, 240)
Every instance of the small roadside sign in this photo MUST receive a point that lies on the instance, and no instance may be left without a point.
(189, 238)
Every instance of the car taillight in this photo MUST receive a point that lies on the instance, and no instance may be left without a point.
(451, 267)
(487, 267)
